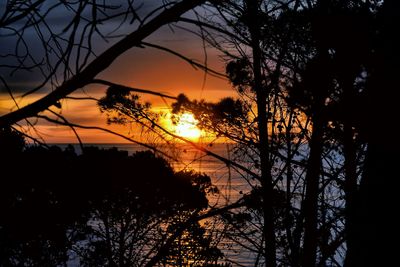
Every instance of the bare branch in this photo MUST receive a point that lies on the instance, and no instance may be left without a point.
(132, 89)
(99, 64)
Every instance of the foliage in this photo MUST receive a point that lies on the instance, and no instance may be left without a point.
(103, 206)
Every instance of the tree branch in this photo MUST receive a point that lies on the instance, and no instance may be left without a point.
(133, 89)
(99, 64)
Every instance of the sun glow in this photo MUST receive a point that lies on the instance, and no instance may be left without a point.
(187, 127)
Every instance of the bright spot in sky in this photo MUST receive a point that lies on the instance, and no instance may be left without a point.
(187, 128)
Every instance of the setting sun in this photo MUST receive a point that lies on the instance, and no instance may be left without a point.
(187, 127)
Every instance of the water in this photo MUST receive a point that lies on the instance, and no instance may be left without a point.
(229, 182)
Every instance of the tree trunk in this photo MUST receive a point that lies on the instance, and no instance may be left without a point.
(310, 207)
(350, 168)
(377, 221)
(266, 178)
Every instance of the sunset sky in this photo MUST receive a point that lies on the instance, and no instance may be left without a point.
(145, 68)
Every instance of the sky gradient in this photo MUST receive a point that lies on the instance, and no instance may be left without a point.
(145, 68)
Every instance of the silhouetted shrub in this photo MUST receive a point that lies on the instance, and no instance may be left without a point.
(103, 207)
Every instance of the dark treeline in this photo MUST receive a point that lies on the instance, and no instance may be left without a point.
(101, 208)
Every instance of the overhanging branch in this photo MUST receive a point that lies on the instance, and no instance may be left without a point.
(100, 63)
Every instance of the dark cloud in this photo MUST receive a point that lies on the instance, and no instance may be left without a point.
(137, 65)
(31, 44)
(21, 81)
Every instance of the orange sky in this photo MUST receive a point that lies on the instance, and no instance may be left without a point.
(141, 68)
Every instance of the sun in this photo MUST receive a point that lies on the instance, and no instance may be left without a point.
(187, 127)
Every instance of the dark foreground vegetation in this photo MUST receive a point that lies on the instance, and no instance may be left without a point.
(101, 208)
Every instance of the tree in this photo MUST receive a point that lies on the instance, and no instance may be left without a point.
(40, 217)
(329, 61)
(135, 213)
(117, 215)
(376, 201)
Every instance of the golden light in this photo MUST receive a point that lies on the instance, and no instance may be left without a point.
(187, 127)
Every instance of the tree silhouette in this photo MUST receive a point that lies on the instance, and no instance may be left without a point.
(42, 212)
(104, 207)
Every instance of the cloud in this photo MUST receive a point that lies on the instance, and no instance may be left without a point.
(146, 68)
(36, 48)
